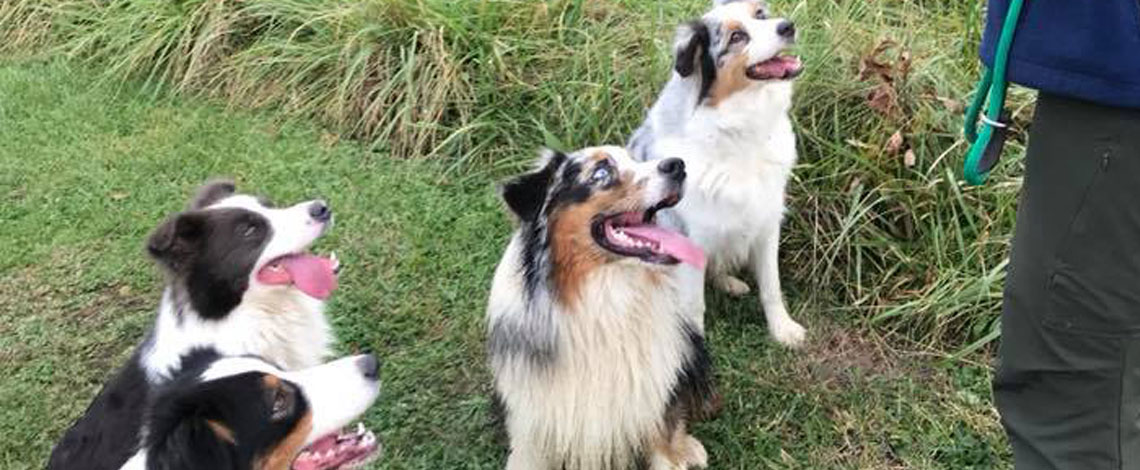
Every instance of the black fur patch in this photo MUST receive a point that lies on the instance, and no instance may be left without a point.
(569, 190)
(699, 48)
(508, 338)
(694, 397)
(107, 434)
(210, 255)
(212, 192)
(526, 194)
(179, 431)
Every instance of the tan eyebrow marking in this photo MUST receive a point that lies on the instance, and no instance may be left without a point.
(221, 430)
(281, 457)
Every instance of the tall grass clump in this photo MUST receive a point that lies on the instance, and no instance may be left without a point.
(24, 24)
(880, 223)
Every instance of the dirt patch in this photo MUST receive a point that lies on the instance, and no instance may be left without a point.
(839, 357)
(115, 298)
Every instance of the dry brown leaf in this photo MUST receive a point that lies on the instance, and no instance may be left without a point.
(872, 65)
(909, 159)
(903, 64)
(883, 99)
(883, 45)
(894, 143)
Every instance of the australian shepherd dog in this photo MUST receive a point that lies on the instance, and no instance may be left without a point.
(725, 112)
(245, 413)
(595, 318)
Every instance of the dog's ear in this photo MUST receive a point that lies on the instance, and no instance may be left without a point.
(176, 239)
(185, 432)
(211, 192)
(694, 49)
(692, 41)
(526, 194)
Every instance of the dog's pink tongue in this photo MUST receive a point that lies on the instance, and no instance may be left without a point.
(671, 243)
(311, 274)
(777, 67)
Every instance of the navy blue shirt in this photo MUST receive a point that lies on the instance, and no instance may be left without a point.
(1087, 49)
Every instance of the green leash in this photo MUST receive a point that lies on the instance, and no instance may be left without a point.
(986, 146)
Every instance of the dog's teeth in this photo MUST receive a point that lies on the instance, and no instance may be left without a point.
(359, 428)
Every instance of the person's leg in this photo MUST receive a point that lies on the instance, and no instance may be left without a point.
(1068, 379)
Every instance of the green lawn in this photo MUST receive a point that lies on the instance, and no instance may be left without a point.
(87, 169)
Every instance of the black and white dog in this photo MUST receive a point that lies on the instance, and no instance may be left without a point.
(244, 413)
(595, 318)
(239, 282)
(725, 111)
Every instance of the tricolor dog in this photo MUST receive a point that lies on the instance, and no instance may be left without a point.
(595, 317)
(725, 112)
(244, 413)
(238, 282)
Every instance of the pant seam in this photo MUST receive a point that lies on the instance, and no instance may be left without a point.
(1121, 374)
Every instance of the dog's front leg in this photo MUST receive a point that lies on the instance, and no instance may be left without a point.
(765, 262)
(678, 450)
(526, 457)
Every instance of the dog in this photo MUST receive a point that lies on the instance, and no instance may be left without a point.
(595, 318)
(238, 281)
(243, 412)
(726, 112)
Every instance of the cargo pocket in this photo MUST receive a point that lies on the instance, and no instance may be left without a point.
(1094, 286)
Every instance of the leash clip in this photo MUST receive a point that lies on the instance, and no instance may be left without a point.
(992, 153)
(998, 124)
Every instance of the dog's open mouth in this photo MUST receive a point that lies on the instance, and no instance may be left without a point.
(781, 67)
(338, 451)
(314, 275)
(637, 234)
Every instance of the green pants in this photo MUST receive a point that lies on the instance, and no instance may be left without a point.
(1068, 379)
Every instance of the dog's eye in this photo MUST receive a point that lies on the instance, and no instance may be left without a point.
(247, 230)
(602, 173)
(282, 404)
(761, 15)
(737, 37)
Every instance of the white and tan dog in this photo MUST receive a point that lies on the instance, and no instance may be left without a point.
(725, 112)
(595, 321)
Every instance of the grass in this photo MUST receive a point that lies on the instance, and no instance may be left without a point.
(88, 171)
(405, 112)
(479, 85)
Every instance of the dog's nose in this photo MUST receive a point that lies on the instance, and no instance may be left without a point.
(320, 211)
(673, 168)
(369, 366)
(786, 29)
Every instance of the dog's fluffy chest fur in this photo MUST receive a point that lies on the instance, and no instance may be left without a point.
(289, 329)
(615, 364)
(739, 157)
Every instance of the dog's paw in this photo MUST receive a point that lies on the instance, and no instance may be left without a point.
(696, 455)
(788, 333)
(732, 285)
